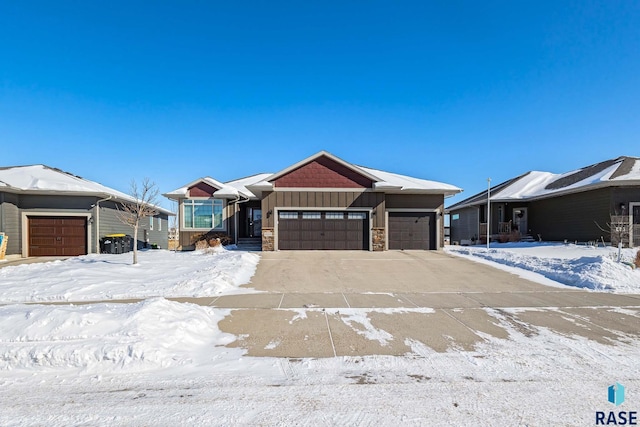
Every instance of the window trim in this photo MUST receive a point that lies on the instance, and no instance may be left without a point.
(214, 201)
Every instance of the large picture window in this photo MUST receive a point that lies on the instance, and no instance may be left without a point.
(205, 214)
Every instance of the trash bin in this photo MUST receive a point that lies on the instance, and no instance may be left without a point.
(112, 244)
(127, 245)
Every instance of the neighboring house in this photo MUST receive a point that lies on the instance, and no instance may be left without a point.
(321, 202)
(47, 212)
(573, 206)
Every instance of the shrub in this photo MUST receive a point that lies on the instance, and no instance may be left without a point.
(211, 238)
(637, 260)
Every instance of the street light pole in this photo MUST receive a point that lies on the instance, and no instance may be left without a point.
(488, 210)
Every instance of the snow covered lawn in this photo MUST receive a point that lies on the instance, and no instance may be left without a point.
(160, 273)
(159, 362)
(553, 264)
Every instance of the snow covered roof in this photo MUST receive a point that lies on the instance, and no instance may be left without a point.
(226, 190)
(391, 181)
(382, 181)
(242, 183)
(537, 185)
(253, 186)
(42, 179)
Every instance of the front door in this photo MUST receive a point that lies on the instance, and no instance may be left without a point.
(635, 224)
(520, 220)
(255, 222)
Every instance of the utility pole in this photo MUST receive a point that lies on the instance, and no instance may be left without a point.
(488, 211)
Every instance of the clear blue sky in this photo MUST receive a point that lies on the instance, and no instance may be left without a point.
(455, 91)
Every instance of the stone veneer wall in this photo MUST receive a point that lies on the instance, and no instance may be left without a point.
(267, 239)
(379, 243)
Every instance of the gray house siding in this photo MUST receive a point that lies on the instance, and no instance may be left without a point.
(10, 222)
(58, 205)
(624, 195)
(13, 207)
(465, 227)
(111, 224)
(572, 216)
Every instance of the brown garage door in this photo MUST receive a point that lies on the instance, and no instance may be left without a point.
(411, 230)
(323, 230)
(57, 236)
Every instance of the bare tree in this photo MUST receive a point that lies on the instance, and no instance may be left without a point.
(617, 228)
(144, 205)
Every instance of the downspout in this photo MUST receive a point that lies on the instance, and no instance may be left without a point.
(97, 216)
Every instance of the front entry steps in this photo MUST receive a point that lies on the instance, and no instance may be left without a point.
(249, 243)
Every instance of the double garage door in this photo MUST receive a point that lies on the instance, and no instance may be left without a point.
(323, 230)
(57, 236)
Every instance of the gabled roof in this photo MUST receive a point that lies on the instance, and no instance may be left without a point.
(242, 183)
(382, 181)
(227, 190)
(536, 185)
(318, 155)
(45, 180)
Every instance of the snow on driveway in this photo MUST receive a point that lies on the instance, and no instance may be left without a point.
(159, 362)
(160, 273)
(586, 267)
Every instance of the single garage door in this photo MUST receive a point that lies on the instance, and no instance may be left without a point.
(412, 230)
(323, 230)
(57, 236)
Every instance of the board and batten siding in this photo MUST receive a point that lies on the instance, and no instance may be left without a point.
(572, 216)
(10, 222)
(466, 226)
(414, 202)
(322, 200)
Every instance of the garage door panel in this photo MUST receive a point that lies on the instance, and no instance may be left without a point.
(57, 236)
(411, 230)
(322, 231)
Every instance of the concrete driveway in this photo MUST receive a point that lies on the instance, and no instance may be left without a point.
(346, 303)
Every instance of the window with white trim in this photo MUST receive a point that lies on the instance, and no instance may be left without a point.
(334, 215)
(203, 214)
(357, 215)
(150, 223)
(311, 215)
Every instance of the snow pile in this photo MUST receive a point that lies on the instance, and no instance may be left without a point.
(585, 267)
(160, 273)
(109, 337)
